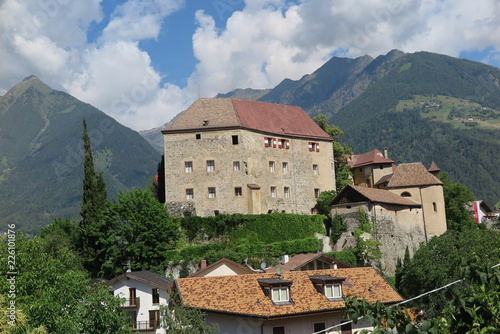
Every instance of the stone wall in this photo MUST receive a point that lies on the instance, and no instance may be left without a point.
(299, 178)
(393, 233)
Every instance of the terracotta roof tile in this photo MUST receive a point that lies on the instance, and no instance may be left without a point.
(266, 117)
(243, 294)
(412, 174)
(354, 194)
(369, 158)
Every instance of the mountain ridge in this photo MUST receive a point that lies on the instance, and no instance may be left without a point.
(41, 156)
(365, 107)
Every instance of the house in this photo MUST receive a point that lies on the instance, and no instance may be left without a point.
(481, 211)
(229, 156)
(293, 302)
(143, 292)
(405, 202)
(301, 262)
(223, 267)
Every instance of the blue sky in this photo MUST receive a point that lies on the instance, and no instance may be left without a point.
(144, 61)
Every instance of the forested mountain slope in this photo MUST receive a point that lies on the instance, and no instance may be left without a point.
(422, 106)
(41, 154)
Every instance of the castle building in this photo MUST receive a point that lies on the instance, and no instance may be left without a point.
(238, 156)
(405, 202)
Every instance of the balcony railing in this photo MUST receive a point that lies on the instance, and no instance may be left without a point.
(144, 325)
(131, 303)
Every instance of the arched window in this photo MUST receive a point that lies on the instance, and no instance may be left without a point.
(405, 194)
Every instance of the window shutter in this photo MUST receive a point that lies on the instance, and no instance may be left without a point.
(287, 144)
(310, 147)
(266, 142)
(317, 147)
(279, 144)
(274, 142)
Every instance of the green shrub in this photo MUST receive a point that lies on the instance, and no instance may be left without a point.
(347, 256)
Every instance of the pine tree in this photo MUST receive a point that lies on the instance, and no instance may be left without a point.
(93, 224)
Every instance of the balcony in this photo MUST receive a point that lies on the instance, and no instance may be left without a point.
(131, 303)
(144, 326)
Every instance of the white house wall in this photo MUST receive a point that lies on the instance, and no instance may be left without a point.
(144, 293)
(294, 325)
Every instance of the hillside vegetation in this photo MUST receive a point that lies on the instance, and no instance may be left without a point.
(41, 154)
(422, 106)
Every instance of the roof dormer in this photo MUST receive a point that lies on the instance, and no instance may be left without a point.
(277, 289)
(329, 286)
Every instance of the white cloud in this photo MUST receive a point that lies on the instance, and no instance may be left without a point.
(270, 40)
(259, 46)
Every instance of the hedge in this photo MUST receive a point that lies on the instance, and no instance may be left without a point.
(266, 228)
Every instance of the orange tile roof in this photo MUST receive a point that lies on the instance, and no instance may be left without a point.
(278, 119)
(243, 294)
(412, 174)
(300, 260)
(355, 194)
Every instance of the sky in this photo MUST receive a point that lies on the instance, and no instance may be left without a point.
(143, 62)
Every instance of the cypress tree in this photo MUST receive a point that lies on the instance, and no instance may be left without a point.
(93, 207)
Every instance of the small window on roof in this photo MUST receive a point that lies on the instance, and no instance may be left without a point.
(280, 294)
(405, 194)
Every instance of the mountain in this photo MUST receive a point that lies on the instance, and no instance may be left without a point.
(41, 154)
(422, 106)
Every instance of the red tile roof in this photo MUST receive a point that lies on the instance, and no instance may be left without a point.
(243, 295)
(214, 113)
(355, 194)
(369, 158)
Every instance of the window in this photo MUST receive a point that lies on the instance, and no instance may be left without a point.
(153, 319)
(131, 295)
(319, 326)
(271, 166)
(198, 136)
(316, 192)
(188, 166)
(333, 291)
(405, 194)
(434, 206)
(268, 142)
(280, 294)
(273, 191)
(279, 330)
(285, 167)
(286, 192)
(238, 191)
(211, 192)
(156, 295)
(313, 147)
(236, 166)
(235, 140)
(210, 166)
(315, 170)
(189, 193)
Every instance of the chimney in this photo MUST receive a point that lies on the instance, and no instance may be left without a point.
(284, 258)
(203, 264)
(386, 154)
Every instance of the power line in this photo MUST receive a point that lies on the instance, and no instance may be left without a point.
(403, 302)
